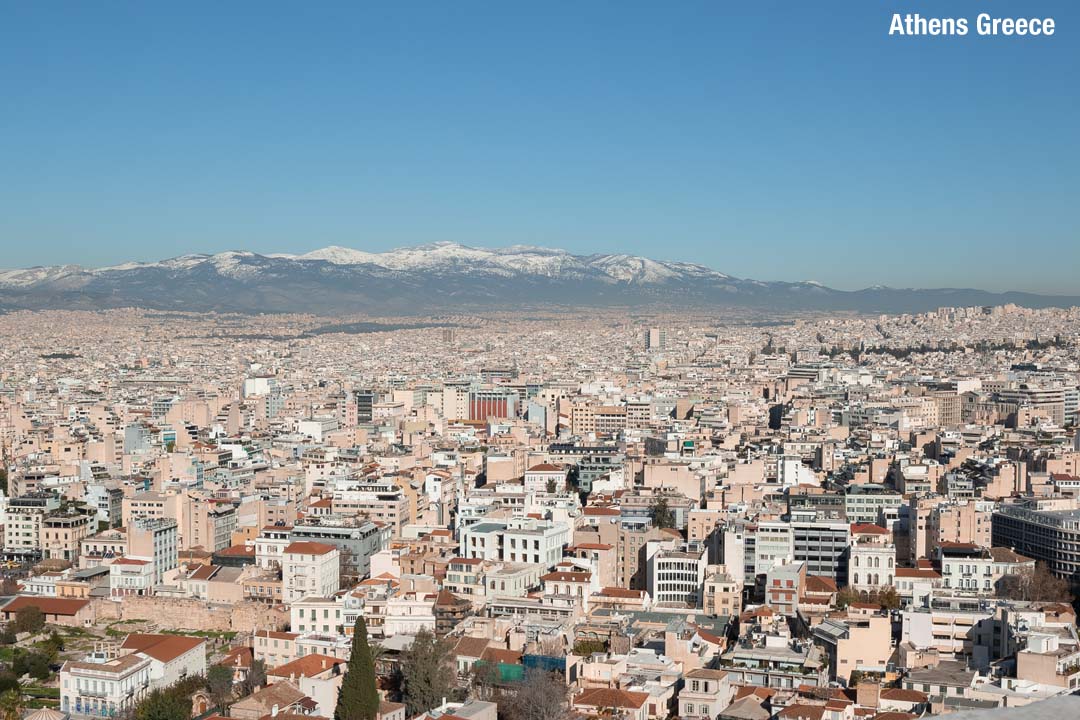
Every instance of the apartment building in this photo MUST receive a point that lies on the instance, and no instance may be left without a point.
(157, 541)
(871, 558)
(676, 573)
(309, 568)
(355, 538)
(1049, 536)
(382, 502)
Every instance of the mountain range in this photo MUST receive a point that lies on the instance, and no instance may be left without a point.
(448, 276)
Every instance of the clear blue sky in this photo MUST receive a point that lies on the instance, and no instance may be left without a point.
(770, 139)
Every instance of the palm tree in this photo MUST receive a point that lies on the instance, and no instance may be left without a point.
(377, 653)
(11, 705)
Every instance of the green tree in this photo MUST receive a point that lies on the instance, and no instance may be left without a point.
(662, 515)
(427, 674)
(845, 597)
(219, 683)
(53, 645)
(167, 704)
(551, 489)
(8, 681)
(29, 619)
(358, 698)
(11, 705)
(34, 664)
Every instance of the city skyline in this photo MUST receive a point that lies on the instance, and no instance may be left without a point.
(777, 141)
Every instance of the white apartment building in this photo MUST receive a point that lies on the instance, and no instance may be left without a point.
(872, 558)
(676, 574)
(270, 545)
(314, 614)
(520, 540)
(103, 687)
(773, 546)
(130, 576)
(309, 568)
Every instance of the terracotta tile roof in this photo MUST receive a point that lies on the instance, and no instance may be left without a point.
(276, 634)
(820, 584)
(902, 695)
(590, 546)
(611, 698)
(499, 655)
(867, 529)
(283, 694)
(470, 647)
(237, 551)
(622, 593)
(545, 467)
(917, 573)
(306, 547)
(800, 711)
(576, 577)
(163, 648)
(308, 666)
(239, 657)
(755, 690)
(48, 605)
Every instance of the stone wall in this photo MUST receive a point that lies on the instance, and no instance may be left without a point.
(191, 614)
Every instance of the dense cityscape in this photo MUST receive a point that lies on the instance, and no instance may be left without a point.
(539, 515)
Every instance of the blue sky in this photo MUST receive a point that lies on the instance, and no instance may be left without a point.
(770, 139)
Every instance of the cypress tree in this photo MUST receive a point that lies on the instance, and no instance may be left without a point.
(358, 699)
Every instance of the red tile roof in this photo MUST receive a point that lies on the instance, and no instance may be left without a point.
(611, 698)
(308, 666)
(305, 547)
(163, 648)
(47, 605)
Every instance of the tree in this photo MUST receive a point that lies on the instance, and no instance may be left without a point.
(29, 619)
(7, 635)
(541, 697)
(8, 681)
(845, 597)
(662, 515)
(358, 698)
(9, 586)
(11, 705)
(1038, 585)
(551, 489)
(219, 683)
(427, 675)
(167, 704)
(34, 664)
(889, 599)
(53, 645)
(256, 677)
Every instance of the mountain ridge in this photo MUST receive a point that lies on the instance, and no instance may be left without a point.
(445, 275)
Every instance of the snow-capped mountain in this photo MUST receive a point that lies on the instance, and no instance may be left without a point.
(442, 276)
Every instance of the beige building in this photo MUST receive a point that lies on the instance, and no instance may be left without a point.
(62, 534)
